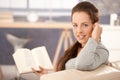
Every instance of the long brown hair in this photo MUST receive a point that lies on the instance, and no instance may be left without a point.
(68, 54)
(87, 7)
(71, 52)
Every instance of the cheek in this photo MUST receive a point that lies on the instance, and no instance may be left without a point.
(89, 32)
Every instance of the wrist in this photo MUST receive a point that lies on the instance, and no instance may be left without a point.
(96, 39)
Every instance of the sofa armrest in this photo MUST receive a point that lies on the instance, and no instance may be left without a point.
(104, 72)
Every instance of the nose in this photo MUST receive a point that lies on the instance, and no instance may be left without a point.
(80, 29)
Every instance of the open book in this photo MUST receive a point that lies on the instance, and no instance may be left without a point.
(26, 59)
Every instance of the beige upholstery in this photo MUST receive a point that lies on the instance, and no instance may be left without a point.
(116, 64)
(102, 73)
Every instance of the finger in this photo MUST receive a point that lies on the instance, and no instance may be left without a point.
(95, 24)
(33, 70)
(36, 72)
(41, 68)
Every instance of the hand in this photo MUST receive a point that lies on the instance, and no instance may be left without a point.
(96, 32)
(41, 72)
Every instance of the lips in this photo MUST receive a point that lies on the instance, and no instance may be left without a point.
(81, 36)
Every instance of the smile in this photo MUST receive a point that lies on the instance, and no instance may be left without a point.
(81, 37)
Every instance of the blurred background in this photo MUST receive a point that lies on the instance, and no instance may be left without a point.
(33, 12)
(43, 11)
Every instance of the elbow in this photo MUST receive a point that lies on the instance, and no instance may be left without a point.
(80, 67)
(85, 67)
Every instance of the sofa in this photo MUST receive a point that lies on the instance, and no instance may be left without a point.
(104, 72)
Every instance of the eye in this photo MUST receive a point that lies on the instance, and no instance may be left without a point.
(85, 25)
(75, 25)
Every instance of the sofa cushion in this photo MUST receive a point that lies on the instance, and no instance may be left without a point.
(104, 72)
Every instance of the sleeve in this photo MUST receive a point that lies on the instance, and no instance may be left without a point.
(91, 56)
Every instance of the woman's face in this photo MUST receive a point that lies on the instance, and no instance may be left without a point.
(82, 27)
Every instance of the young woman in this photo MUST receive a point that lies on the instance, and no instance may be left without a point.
(88, 53)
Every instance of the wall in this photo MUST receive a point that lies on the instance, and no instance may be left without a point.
(110, 38)
(46, 37)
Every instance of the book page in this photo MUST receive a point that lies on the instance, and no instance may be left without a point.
(24, 60)
(42, 58)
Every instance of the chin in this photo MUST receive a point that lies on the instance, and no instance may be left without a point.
(82, 42)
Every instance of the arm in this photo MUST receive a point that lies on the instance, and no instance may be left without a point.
(91, 56)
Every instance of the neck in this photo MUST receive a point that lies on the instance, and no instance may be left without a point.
(83, 44)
